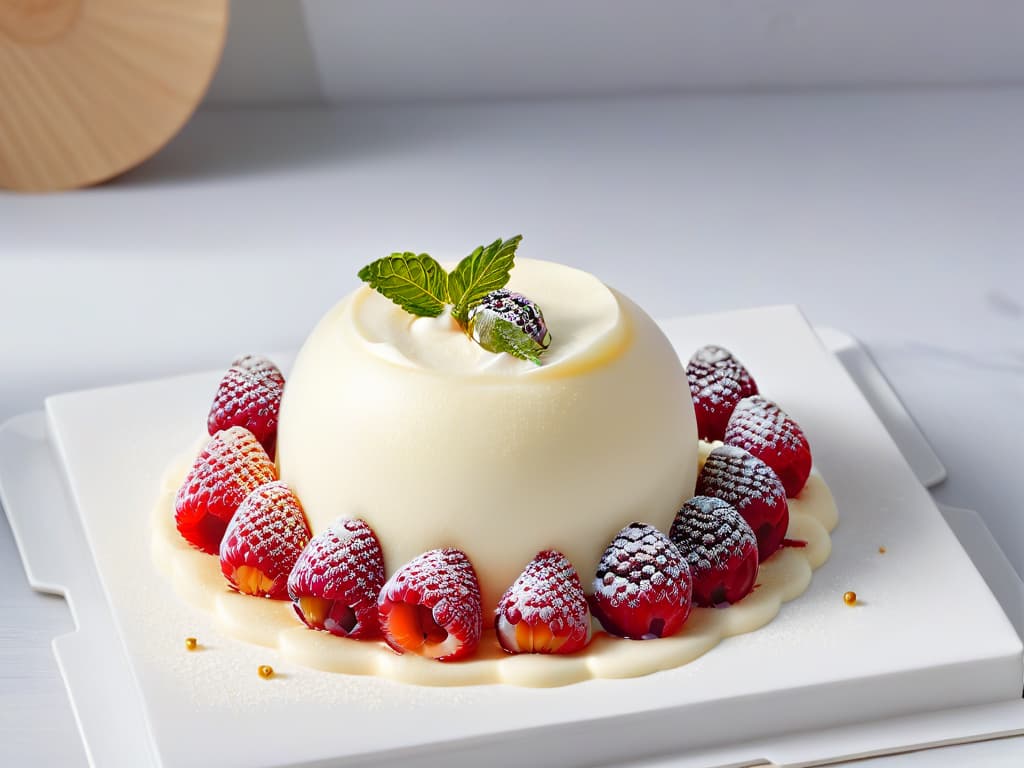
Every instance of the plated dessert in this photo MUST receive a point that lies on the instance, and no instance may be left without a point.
(503, 466)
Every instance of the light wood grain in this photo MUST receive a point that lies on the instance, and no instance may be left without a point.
(91, 88)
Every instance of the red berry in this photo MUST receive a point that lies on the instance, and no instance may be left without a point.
(748, 484)
(249, 396)
(545, 610)
(759, 426)
(231, 465)
(431, 606)
(336, 580)
(720, 548)
(643, 587)
(717, 382)
(263, 541)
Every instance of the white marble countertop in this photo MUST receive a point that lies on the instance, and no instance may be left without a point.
(895, 216)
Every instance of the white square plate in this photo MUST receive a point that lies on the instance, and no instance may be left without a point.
(928, 635)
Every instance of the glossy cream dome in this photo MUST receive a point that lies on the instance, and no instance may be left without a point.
(436, 442)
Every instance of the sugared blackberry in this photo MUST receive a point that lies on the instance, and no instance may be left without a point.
(511, 306)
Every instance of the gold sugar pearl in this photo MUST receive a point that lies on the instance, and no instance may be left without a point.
(266, 671)
(850, 598)
(881, 550)
(191, 643)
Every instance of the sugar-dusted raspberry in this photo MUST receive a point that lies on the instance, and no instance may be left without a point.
(643, 586)
(431, 606)
(230, 466)
(759, 426)
(337, 578)
(545, 610)
(718, 381)
(263, 541)
(720, 548)
(249, 396)
(748, 484)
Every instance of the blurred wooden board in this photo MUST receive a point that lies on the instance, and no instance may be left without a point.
(91, 88)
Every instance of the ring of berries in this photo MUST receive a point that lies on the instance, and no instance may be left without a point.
(645, 585)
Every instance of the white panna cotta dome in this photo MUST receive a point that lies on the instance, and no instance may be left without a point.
(435, 442)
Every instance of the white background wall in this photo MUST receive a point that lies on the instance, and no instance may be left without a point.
(311, 51)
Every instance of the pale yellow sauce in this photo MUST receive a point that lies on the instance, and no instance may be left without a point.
(196, 577)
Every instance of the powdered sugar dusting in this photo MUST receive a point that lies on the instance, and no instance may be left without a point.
(641, 565)
(739, 478)
(343, 562)
(444, 581)
(709, 532)
(761, 427)
(268, 533)
(249, 396)
(229, 467)
(748, 484)
(548, 592)
(718, 381)
(757, 422)
(720, 547)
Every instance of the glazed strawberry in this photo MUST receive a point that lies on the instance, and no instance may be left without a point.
(431, 606)
(720, 548)
(231, 465)
(263, 541)
(718, 381)
(643, 587)
(748, 484)
(336, 580)
(759, 426)
(249, 396)
(545, 610)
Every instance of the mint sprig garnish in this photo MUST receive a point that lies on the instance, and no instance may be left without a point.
(420, 286)
(415, 282)
(509, 337)
(485, 270)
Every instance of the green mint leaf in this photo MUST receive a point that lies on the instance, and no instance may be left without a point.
(484, 270)
(506, 336)
(416, 283)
